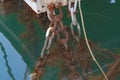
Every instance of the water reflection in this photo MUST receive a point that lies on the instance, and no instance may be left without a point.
(12, 65)
(15, 37)
(26, 74)
(25, 51)
(112, 1)
(6, 62)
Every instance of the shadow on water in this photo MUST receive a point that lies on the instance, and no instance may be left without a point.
(7, 62)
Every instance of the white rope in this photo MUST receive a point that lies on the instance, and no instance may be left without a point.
(93, 57)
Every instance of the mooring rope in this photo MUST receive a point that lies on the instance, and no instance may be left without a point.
(86, 39)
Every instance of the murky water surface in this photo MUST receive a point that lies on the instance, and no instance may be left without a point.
(18, 53)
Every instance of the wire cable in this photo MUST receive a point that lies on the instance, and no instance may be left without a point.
(86, 39)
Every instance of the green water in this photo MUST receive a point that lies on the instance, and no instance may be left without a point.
(102, 24)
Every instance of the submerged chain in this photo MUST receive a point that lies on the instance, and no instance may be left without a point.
(56, 27)
(48, 40)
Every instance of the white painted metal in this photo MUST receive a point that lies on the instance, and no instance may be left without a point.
(40, 6)
(64, 2)
(33, 5)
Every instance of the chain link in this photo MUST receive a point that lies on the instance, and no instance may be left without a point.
(57, 28)
(73, 33)
(48, 41)
(72, 9)
(63, 41)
